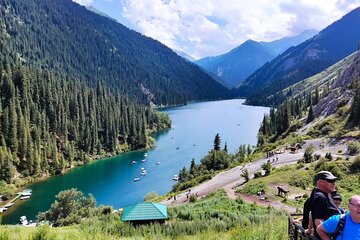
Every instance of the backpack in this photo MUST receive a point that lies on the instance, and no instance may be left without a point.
(339, 228)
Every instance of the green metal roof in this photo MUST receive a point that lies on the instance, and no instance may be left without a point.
(145, 211)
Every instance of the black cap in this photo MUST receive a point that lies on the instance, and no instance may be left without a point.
(325, 175)
(336, 196)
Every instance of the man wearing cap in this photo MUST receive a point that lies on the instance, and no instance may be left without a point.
(337, 200)
(322, 205)
(351, 230)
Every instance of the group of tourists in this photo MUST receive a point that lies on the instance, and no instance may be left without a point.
(324, 218)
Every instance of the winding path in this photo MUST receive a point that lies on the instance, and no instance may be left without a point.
(231, 179)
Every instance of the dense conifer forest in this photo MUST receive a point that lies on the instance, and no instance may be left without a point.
(64, 37)
(49, 122)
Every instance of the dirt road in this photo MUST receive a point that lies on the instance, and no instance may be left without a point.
(231, 179)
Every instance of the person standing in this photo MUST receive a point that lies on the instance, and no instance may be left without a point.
(337, 200)
(322, 205)
(351, 229)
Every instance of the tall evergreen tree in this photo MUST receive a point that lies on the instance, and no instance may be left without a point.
(311, 116)
(217, 142)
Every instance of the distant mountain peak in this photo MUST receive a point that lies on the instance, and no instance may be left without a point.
(333, 43)
(240, 62)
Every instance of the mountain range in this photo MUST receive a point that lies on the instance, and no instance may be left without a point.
(239, 63)
(66, 38)
(333, 43)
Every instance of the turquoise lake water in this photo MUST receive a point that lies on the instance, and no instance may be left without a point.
(111, 180)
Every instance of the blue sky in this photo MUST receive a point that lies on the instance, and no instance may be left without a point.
(203, 28)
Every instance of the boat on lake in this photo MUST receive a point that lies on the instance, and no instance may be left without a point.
(24, 197)
(24, 220)
(133, 162)
(144, 160)
(26, 194)
(175, 178)
(8, 205)
(145, 154)
(143, 173)
(157, 163)
(136, 179)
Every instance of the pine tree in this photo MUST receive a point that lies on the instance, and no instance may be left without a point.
(311, 116)
(217, 142)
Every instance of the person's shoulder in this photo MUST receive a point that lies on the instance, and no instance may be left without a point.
(318, 192)
(331, 223)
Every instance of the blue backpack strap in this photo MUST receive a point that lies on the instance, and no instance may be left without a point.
(340, 227)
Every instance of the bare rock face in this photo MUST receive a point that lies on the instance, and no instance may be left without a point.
(150, 96)
(339, 91)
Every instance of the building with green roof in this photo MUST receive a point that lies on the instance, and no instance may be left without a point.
(145, 213)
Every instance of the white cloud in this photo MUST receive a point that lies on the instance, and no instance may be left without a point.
(203, 28)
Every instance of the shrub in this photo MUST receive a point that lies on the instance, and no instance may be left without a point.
(267, 168)
(300, 179)
(254, 188)
(353, 147)
(257, 174)
(150, 196)
(69, 208)
(308, 153)
(193, 198)
(355, 166)
(329, 156)
(43, 233)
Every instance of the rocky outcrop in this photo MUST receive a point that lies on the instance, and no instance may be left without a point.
(340, 94)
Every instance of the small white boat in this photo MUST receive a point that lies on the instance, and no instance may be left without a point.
(157, 163)
(3, 210)
(145, 154)
(26, 194)
(142, 169)
(175, 177)
(143, 172)
(136, 179)
(144, 160)
(24, 220)
(133, 162)
(24, 197)
(8, 205)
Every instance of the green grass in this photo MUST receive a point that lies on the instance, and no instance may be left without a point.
(209, 218)
(299, 180)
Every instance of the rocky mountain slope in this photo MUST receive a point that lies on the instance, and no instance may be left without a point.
(332, 44)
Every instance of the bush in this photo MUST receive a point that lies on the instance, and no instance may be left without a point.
(43, 233)
(193, 198)
(329, 156)
(150, 196)
(254, 188)
(355, 166)
(353, 147)
(257, 174)
(308, 158)
(70, 207)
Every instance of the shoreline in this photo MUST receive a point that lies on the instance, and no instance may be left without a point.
(29, 181)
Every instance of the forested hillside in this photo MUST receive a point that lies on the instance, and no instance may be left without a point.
(64, 37)
(330, 101)
(335, 42)
(49, 123)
